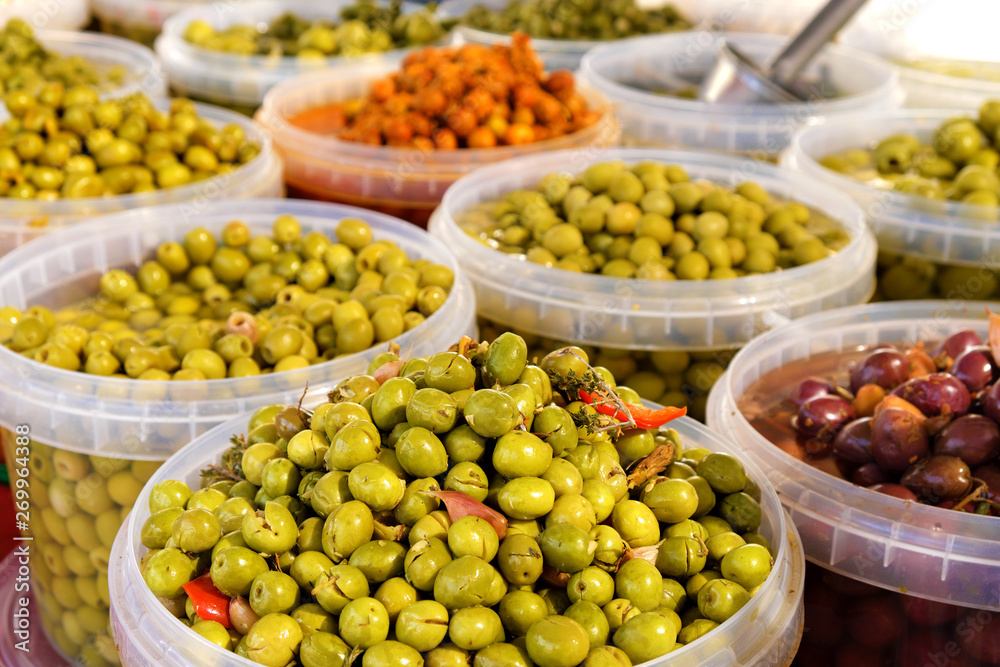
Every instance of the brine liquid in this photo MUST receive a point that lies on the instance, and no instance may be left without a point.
(765, 404)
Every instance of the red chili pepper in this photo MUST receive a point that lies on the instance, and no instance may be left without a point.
(641, 415)
(209, 603)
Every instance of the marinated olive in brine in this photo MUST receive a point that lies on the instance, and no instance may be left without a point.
(238, 304)
(476, 539)
(651, 221)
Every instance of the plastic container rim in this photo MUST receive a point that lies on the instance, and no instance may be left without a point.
(733, 113)
(946, 214)
(178, 466)
(575, 285)
(254, 132)
(33, 251)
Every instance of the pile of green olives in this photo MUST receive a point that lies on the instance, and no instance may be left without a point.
(25, 63)
(652, 222)
(207, 308)
(958, 164)
(576, 19)
(902, 277)
(668, 377)
(325, 536)
(364, 27)
(76, 503)
(66, 143)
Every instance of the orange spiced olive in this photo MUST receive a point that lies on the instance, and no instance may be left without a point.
(471, 96)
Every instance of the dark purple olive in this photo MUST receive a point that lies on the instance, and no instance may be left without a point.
(991, 402)
(973, 438)
(974, 368)
(938, 478)
(854, 441)
(822, 416)
(809, 388)
(898, 439)
(885, 367)
(869, 474)
(895, 490)
(935, 394)
(959, 342)
(990, 474)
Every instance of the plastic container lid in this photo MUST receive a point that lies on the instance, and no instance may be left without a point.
(946, 32)
(379, 176)
(143, 69)
(625, 72)
(231, 79)
(945, 231)
(899, 545)
(23, 220)
(765, 632)
(61, 15)
(653, 315)
(150, 420)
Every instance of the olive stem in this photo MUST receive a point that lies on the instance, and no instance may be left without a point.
(298, 407)
(973, 495)
(219, 470)
(610, 397)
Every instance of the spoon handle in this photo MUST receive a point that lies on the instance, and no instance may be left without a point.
(831, 18)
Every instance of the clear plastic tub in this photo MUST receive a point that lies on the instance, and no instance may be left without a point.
(653, 315)
(765, 632)
(940, 34)
(24, 220)
(683, 333)
(61, 15)
(626, 72)
(94, 441)
(405, 182)
(945, 232)
(140, 21)
(143, 73)
(915, 549)
(241, 81)
(16, 599)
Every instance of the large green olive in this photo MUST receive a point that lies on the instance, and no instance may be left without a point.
(346, 529)
(464, 582)
(557, 641)
(423, 625)
(234, 570)
(646, 637)
(490, 413)
(364, 623)
(338, 586)
(272, 531)
(506, 358)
